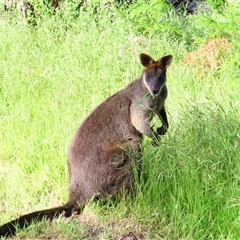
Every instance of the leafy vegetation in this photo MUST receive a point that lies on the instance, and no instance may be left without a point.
(54, 73)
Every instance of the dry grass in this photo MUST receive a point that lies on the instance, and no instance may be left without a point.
(209, 56)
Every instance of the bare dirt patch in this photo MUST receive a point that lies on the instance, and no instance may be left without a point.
(124, 229)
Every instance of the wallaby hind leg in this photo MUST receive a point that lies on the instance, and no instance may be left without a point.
(122, 172)
(114, 172)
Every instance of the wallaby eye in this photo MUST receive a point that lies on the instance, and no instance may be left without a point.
(148, 77)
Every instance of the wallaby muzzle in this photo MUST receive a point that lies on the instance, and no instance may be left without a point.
(154, 84)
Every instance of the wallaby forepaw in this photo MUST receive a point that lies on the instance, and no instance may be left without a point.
(161, 130)
(155, 139)
(155, 142)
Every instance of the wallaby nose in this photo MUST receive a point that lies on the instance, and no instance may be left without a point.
(155, 91)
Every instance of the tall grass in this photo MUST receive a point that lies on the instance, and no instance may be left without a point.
(52, 75)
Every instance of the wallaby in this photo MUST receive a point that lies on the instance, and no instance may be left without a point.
(101, 155)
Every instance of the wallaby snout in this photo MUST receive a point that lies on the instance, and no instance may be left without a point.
(154, 82)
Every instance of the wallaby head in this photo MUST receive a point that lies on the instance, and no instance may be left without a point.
(154, 74)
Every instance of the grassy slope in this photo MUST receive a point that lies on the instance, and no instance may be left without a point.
(51, 77)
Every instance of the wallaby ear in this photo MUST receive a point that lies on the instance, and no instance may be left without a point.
(165, 61)
(145, 59)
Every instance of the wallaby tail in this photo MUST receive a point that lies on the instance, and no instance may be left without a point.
(10, 228)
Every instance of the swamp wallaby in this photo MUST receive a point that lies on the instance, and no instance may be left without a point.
(101, 155)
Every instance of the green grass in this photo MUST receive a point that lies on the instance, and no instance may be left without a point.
(54, 74)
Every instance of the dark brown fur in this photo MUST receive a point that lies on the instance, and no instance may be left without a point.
(101, 155)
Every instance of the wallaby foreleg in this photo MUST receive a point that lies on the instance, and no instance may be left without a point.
(160, 130)
(163, 117)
